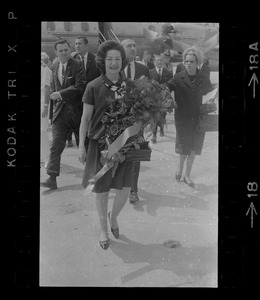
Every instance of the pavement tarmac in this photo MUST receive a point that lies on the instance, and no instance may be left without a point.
(167, 239)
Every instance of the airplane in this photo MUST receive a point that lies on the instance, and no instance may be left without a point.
(157, 37)
(176, 37)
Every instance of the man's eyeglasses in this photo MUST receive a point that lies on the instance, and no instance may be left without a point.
(187, 61)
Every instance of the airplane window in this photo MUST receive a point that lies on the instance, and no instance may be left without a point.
(50, 26)
(68, 26)
(84, 26)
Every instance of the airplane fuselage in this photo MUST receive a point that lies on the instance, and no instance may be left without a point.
(51, 31)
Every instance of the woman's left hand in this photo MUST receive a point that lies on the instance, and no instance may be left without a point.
(82, 155)
(45, 111)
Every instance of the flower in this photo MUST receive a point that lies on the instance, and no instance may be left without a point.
(145, 103)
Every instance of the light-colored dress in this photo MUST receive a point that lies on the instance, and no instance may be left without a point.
(46, 74)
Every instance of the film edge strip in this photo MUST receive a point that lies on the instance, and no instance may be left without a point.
(250, 189)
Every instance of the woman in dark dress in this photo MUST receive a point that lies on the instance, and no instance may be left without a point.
(110, 59)
(189, 86)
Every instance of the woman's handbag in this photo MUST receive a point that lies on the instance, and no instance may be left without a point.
(142, 154)
(208, 120)
(208, 123)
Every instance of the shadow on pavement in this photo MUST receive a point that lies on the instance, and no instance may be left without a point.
(195, 261)
(72, 187)
(204, 189)
(71, 170)
(144, 168)
(153, 201)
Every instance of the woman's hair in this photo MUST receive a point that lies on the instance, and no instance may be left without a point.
(102, 52)
(44, 57)
(193, 51)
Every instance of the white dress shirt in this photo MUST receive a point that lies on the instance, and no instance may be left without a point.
(132, 65)
(60, 71)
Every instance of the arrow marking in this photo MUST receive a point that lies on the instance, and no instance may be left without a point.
(253, 210)
(254, 78)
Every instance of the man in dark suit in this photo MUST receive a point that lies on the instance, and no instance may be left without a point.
(134, 70)
(147, 59)
(68, 85)
(91, 70)
(82, 53)
(161, 75)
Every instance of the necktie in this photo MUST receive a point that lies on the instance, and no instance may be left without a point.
(160, 73)
(129, 70)
(63, 73)
(83, 61)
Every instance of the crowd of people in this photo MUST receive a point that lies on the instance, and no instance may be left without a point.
(73, 93)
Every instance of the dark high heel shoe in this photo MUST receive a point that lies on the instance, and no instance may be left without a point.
(177, 176)
(115, 231)
(103, 241)
(104, 244)
(189, 182)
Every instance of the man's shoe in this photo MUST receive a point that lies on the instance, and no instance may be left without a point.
(161, 132)
(50, 183)
(153, 140)
(133, 197)
(189, 182)
(69, 144)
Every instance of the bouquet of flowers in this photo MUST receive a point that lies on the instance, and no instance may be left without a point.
(144, 104)
(132, 109)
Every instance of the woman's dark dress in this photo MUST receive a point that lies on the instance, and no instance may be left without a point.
(95, 94)
(188, 96)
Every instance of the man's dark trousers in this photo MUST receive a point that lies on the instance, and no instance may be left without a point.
(134, 187)
(60, 129)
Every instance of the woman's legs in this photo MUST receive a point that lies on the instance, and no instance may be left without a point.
(189, 164)
(101, 204)
(45, 145)
(119, 202)
(182, 159)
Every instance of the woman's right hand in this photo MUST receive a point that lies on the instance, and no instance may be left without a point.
(45, 111)
(82, 155)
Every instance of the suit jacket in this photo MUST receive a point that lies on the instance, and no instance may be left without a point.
(150, 65)
(92, 70)
(188, 94)
(141, 70)
(166, 75)
(71, 90)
